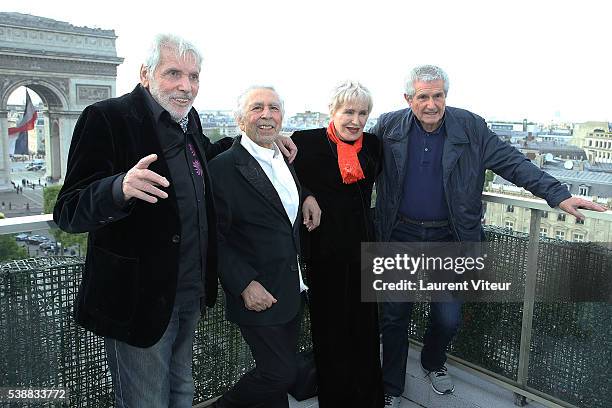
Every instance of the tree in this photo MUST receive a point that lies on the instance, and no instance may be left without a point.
(489, 176)
(9, 250)
(214, 134)
(50, 197)
(67, 240)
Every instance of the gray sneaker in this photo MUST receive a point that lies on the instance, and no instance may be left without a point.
(441, 381)
(391, 401)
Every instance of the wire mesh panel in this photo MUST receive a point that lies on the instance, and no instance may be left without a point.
(220, 354)
(38, 333)
(571, 348)
(43, 347)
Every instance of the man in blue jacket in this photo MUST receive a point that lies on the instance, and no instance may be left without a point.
(430, 190)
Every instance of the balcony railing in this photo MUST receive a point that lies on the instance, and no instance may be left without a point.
(552, 353)
(559, 354)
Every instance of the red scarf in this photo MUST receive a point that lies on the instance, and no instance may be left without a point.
(350, 168)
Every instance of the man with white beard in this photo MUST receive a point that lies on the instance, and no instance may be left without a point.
(137, 182)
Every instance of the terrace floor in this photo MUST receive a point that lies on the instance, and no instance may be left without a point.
(471, 391)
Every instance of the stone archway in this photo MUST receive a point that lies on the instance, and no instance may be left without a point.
(54, 99)
(68, 67)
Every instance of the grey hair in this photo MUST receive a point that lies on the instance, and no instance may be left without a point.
(425, 73)
(242, 100)
(179, 45)
(349, 91)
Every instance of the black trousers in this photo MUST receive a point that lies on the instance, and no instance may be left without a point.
(274, 350)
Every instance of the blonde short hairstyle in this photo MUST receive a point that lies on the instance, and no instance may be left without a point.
(349, 91)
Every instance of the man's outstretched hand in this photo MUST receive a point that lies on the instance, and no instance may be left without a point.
(572, 204)
(140, 182)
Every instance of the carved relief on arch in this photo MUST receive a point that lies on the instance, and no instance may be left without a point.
(88, 94)
(53, 91)
(62, 84)
(5, 82)
(57, 66)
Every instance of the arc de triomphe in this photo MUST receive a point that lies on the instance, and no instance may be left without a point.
(68, 67)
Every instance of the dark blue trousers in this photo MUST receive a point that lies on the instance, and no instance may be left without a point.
(444, 321)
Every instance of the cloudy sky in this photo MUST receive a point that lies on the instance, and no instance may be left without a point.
(507, 60)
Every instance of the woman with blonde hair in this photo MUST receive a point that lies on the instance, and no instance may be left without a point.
(338, 164)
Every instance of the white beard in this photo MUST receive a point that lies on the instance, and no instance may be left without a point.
(165, 101)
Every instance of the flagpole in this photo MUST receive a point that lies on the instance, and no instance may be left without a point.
(5, 182)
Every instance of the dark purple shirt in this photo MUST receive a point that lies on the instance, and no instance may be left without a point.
(187, 179)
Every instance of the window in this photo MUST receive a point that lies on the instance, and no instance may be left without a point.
(544, 214)
(560, 217)
(560, 235)
(578, 237)
(510, 225)
(510, 208)
(543, 232)
(583, 190)
(579, 222)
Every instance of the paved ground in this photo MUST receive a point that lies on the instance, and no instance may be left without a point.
(27, 202)
(30, 202)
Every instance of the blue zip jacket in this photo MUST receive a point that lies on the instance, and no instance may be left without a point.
(469, 149)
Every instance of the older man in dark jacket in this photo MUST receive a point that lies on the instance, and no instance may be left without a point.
(430, 190)
(259, 202)
(137, 181)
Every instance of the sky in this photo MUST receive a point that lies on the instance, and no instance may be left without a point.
(507, 60)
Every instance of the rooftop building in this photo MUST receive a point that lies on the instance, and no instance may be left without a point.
(598, 146)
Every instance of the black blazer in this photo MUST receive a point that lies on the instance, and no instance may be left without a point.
(131, 266)
(256, 239)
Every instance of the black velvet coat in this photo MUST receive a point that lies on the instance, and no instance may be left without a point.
(130, 274)
(344, 329)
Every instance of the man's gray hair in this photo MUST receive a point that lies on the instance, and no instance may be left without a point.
(239, 111)
(179, 45)
(347, 92)
(425, 73)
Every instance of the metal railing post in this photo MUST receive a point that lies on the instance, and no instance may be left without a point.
(529, 301)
